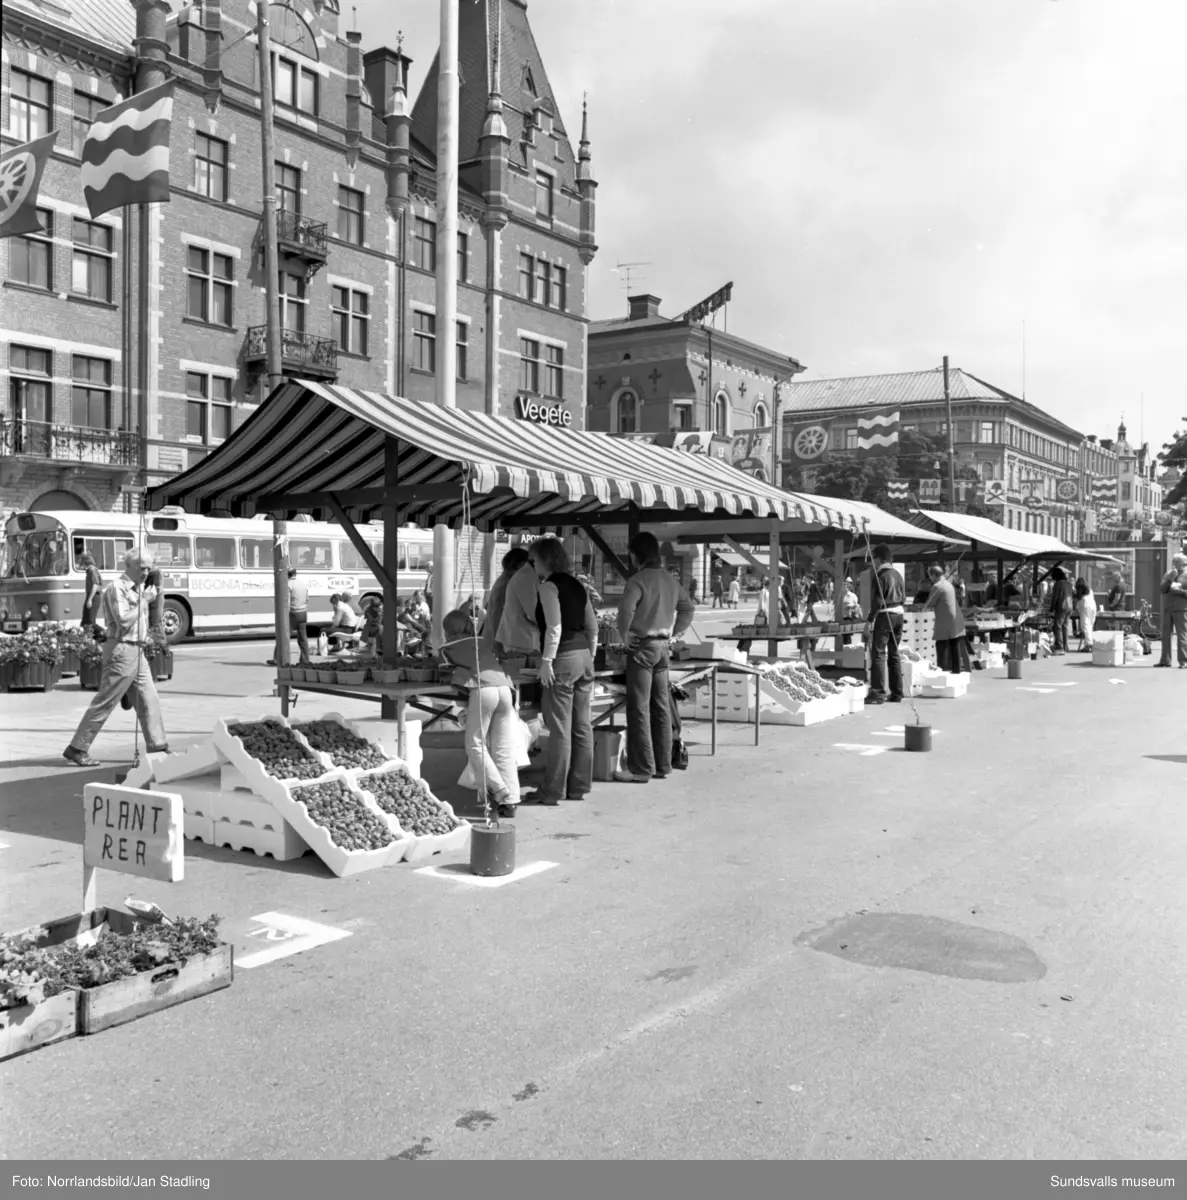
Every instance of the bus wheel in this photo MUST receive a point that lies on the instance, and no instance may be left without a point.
(175, 619)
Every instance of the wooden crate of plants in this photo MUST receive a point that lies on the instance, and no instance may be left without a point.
(104, 968)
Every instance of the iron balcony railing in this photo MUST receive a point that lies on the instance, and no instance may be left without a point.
(300, 236)
(297, 350)
(68, 443)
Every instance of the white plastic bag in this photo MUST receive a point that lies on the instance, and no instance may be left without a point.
(524, 743)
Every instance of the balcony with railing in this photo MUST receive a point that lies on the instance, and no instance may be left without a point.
(301, 353)
(301, 238)
(22, 443)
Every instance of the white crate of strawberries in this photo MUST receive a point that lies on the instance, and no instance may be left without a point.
(342, 826)
(429, 825)
(802, 695)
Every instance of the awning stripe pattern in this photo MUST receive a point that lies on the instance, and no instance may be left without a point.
(314, 437)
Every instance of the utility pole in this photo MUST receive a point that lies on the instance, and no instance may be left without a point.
(951, 441)
(447, 199)
(275, 375)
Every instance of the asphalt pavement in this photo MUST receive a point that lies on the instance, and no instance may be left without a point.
(820, 947)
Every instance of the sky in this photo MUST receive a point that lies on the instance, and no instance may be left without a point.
(889, 181)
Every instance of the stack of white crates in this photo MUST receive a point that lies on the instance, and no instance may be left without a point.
(919, 634)
(1108, 649)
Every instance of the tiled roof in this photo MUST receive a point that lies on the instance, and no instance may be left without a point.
(110, 22)
(479, 22)
(909, 387)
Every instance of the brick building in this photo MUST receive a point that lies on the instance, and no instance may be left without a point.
(90, 308)
(650, 374)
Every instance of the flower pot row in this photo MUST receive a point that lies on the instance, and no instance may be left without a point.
(36, 676)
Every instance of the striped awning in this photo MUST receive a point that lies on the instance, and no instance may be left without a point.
(994, 539)
(313, 439)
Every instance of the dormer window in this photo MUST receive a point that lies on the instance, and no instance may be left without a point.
(529, 81)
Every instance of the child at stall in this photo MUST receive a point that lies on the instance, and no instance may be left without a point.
(491, 719)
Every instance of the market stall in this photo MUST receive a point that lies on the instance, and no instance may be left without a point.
(352, 456)
(805, 547)
(1008, 617)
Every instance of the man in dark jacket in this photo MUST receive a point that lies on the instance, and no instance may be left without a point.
(1062, 603)
(887, 594)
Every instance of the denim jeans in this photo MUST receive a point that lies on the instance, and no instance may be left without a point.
(568, 760)
(648, 710)
(1059, 629)
(490, 741)
(124, 667)
(888, 630)
(298, 626)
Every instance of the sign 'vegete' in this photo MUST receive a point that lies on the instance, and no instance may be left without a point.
(528, 409)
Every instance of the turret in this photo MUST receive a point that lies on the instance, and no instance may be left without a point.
(586, 185)
(354, 63)
(386, 77)
(152, 46)
(495, 141)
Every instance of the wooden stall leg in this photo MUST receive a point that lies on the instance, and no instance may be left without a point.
(713, 718)
(284, 699)
(757, 706)
(401, 729)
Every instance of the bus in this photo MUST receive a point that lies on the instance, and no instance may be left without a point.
(216, 572)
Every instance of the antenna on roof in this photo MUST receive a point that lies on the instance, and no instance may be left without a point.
(629, 274)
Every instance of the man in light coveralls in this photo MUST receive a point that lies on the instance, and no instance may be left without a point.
(125, 616)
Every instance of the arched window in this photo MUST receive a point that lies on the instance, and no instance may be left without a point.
(721, 415)
(760, 416)
(627, 418)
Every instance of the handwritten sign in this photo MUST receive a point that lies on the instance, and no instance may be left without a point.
(136, 832)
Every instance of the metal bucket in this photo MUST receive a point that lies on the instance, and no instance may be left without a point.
(1014, 669)
(492, 850)
(918, 738)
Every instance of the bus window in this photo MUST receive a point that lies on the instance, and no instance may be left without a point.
(108, 552)
(352, 560)
(170, 551)
(409, 556)
(255, 554)
(310, 556)
(215, 553)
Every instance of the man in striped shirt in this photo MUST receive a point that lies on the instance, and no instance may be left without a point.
(125, 616)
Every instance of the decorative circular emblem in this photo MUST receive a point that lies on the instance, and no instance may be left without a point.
(16, 178)
(1067, 489)
(810, 442)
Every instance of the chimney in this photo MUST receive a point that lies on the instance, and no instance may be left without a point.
(642, 307)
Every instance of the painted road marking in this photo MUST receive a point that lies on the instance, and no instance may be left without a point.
(858, 748)
(894, 731)
(1074, 683)
(3, 845)
(288, 935)
(460, 873)
(1043, 691)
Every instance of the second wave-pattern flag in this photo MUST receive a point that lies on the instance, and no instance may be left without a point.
(877, 432)
(125, 157)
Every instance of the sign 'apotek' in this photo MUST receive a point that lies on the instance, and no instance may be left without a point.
(137, 832)
(528, 409)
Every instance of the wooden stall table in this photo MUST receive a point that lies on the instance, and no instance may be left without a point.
(404, 695)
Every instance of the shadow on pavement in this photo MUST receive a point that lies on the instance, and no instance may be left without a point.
(49, 806)
(308, 864)
(1175, 758)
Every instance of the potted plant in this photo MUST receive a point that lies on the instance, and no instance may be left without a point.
(90, 664)
(159, 654)
(29, 660)
(918, 736)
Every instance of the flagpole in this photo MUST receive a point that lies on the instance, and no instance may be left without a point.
(951, 440)
(275, 365)
(444, 583)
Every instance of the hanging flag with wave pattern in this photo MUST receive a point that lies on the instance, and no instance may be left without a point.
(1104, 491)
(125, 157)
(898, 489)
(877, 432)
